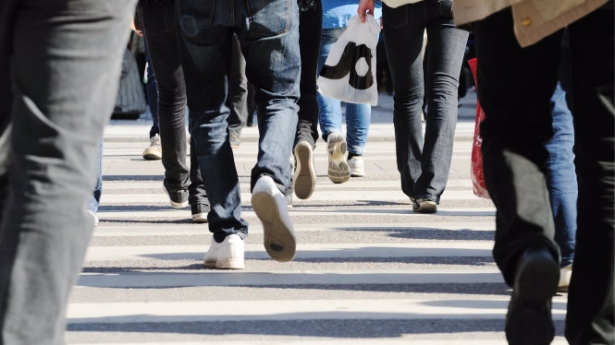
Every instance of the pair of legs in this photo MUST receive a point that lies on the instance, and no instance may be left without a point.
(58, 103)
(184, 185)
(270, 45)
(358, 116)
(515, 85)
(424, 164)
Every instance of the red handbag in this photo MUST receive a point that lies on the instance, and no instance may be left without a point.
(478, 174)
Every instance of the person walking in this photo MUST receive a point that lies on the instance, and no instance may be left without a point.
(269, 36)
(57, 102)
(342, 166)
(519, 51)
(423, 164)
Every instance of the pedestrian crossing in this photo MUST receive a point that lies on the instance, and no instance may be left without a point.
(367, 270)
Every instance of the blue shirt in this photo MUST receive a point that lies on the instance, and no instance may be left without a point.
(336, 13)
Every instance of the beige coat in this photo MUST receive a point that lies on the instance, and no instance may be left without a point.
(533, 19)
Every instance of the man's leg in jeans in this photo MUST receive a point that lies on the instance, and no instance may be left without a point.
(310, 31)
(154, 151)
(590, 300)
(206, 56)
(515, 86)
(562, 181)
(60, 105)
(238, 95)
(273, 66)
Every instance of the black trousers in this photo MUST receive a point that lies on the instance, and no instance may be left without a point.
(515, 86)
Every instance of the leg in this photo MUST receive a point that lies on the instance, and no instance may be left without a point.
(590, 300)
(561, 176)
(59, 111)
(446, 45)
(154, 150)
(238, 94)
(199, 203)
(95, 200)
(515, 169)
(159, 27)
(330, 109)
(206, 54)
(403, 34)
(310, 31)
(358, 117)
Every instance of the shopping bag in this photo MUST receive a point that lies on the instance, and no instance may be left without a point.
(478, 174)
(349, 73)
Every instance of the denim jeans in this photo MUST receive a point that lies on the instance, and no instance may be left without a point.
(160, 28)
(238, 91)
(269, 36)
(424, 165)
(95, 199)
(561, 176)
(358, 116)
(59, 102)
(152, 93)
(514, 132)
(310, 30)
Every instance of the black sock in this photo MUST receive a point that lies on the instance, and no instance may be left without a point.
(350, 155)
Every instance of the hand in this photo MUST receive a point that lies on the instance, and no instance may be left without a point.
(365, 6)
(134, 28)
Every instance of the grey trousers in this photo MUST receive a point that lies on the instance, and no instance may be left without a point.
(52, 91)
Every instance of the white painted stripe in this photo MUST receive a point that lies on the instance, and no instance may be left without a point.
(283, 310)
(304, 251)
(353, 183)
(181, 230)
(379, 341)
(358, 196)
(208, 277)
(312, 212)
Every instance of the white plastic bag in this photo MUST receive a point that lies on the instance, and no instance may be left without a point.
(349, 74)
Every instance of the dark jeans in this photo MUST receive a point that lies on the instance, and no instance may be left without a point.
(160, 30)
(424, 165)
(238, 91)
(515, 86)
(310, 32)
(270, 44)
(59, 102)
(152, 93)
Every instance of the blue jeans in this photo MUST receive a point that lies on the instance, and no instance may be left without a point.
(95, 200)
(424, 165)
(561, 176)
(358, 116)
(270, 44)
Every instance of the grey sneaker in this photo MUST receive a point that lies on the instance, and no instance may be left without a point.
(424, 206)
(339, 171)
(304, 180)
(154, 151)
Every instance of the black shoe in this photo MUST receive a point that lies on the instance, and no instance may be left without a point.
(178, 197)
(529, 321)
(199, 213)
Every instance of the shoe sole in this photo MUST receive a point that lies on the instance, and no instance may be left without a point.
(304, 180)
(151, 157)
(356, 174)
(536, 282)
(426, 208)
(339, 170)
(279, 238)
(225, 264)
(199, 218)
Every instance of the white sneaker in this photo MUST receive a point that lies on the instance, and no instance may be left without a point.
(96, 220)
(154, 151)
(357, 166)
(424, 206)
(228, 254)
(565, 273)
(270, 206)
(304, 180)
(339, 171)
